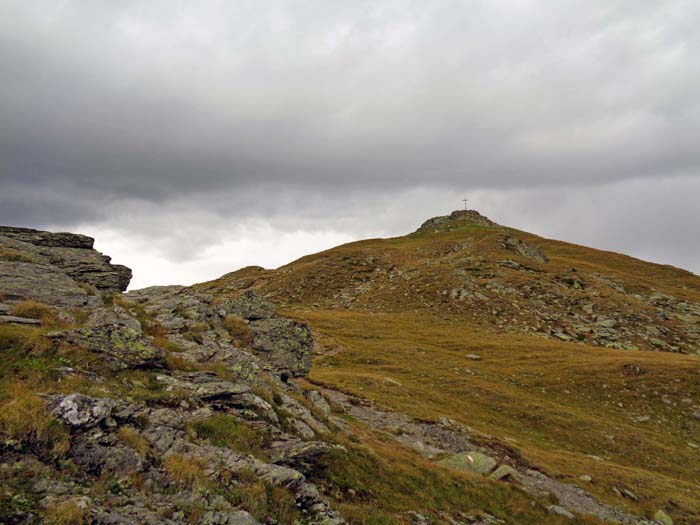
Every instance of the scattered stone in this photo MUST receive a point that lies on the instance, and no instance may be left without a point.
(560, 511)
(586, 478)
(318, 401)
(81, 411)
(390, 382)
(472, 461)
(502, 472)
(11, 319)
(663, 518)
(526, 249)
(473, 357)
(418, 519)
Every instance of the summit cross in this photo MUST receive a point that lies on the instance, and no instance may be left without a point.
(465, 200)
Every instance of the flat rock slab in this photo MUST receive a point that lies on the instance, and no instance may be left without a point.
(471, 461)
(18, 320)
(39, 282)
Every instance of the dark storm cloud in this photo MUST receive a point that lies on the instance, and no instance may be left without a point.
(314, 106)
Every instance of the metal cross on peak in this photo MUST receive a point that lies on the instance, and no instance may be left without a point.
(465, 200)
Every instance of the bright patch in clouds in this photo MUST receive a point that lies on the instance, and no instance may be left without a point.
(255, 247)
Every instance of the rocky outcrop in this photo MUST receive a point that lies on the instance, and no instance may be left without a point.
(456, 219)
(61, 269)
(166, 362)
(244, 332)
(524, 248)
(118, 337)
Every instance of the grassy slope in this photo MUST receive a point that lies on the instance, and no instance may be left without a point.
(557, 403)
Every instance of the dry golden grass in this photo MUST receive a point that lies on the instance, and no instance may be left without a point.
(31, 309)
(7, 254)
(189, 471)
(238, 330)
(66, 513)
(131, 437)
(556, 403)
(24, 418)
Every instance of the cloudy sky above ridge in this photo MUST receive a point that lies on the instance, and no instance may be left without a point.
(192, 138)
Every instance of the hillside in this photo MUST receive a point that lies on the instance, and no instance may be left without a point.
(466, 373)
(578, 362)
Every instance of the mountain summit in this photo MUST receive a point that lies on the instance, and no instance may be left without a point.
(466, 373)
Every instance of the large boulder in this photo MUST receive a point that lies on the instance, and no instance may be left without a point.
(118, 337)
(283, 343)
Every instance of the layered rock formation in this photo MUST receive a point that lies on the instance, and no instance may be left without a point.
(60, 269)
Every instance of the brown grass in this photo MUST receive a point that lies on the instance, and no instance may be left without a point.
(238, 330)
(132, 438)
(7, 254)
(66, 513)
(24, 418)
(189, 471)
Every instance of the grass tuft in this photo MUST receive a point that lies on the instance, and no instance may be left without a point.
(226, 431)
(188, 471)
(238, 330)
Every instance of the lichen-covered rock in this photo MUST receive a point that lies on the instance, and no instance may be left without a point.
(249, 306)
(80, 411)
(48, 239)
(283, 343)
(118, 336)
(196, 322)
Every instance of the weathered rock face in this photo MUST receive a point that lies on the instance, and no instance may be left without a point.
(118, 337)
(60, 269)
(524, 248)
(283, 343)
(196, 322)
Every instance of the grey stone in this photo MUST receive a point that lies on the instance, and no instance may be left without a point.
(11, 319)
(524, 248)
(249, 306)
(80, 411)
(118, 337)
(471, 461)
(283, 343)
(560, 511)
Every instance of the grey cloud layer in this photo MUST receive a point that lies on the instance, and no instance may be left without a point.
(240, 109)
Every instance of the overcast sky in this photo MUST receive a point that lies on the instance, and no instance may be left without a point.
(192, 138)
